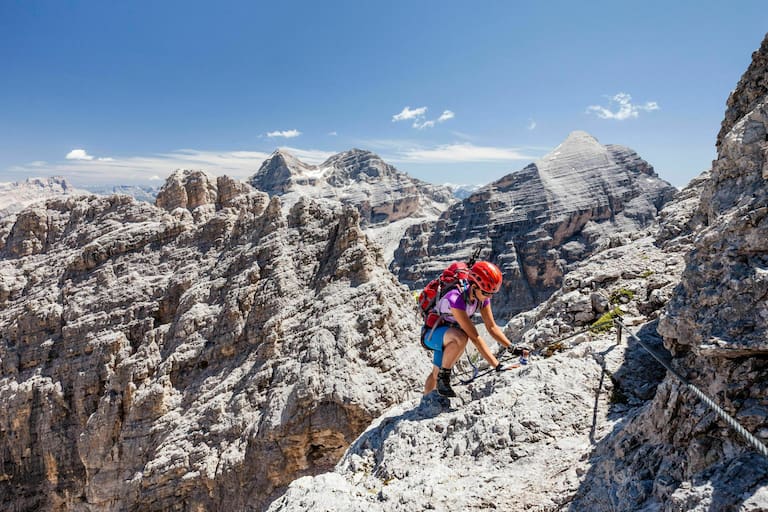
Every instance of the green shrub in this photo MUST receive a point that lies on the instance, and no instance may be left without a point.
(620, 293)
(605, 322)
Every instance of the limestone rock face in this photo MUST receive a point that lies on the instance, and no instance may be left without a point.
(523, 440)
(715, 326)
(750, 91)
(190, 189)
(517, 441)
(537, 221)
(388, 201)
(195, 355)
(720, 310)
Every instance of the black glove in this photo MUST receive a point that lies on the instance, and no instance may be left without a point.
(502, 367)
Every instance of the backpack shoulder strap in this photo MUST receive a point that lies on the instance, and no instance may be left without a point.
(464, 287)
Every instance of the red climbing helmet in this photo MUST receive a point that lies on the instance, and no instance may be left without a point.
(486, 276)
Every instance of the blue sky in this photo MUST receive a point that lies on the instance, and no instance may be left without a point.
(107, 92)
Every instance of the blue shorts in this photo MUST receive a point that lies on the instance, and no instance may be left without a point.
(434, 340)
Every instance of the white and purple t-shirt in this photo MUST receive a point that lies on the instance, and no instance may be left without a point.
(455, 299)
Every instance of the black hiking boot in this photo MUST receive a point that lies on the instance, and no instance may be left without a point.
(444, 383)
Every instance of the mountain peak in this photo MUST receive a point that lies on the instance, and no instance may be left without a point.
(51, 181)
(578, 141)
(579, 157)
(276, 173)
(581, 165)
(184, 174)
(187, 188)
(358, 165)
(580, 135)
(352, 156)
(281, 156)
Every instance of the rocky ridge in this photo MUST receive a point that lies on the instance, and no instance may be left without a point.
(195, 355)
(535, 222)
(388, 200)
(524, 440)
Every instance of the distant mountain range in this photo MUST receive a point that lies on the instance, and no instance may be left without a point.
(14, 196)
(17, 195)
(389, 201)
(463, 191)
(146, 194)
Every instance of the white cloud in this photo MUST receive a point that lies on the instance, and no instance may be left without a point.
(626, 109)
(446, 115)
(462, 135)
(419, 117)
(464, 152)
(333, 134)
(531, 125)
(81, 154)
(78, 154)
(407, 113)
(288, 134)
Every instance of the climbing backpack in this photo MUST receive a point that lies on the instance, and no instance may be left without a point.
(456, 274)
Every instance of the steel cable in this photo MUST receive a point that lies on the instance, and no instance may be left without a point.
(752, 440)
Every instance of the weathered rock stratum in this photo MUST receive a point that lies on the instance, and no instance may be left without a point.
(535, 222)
(196, 355)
